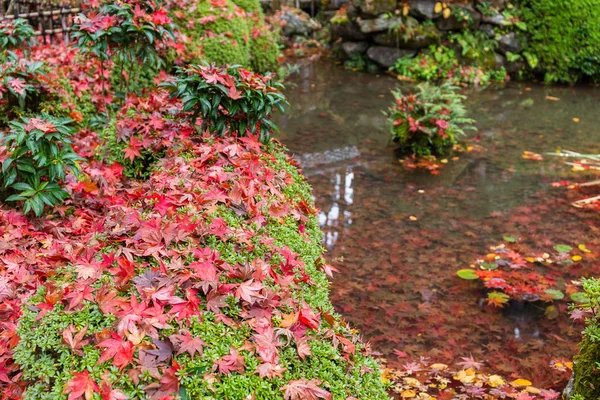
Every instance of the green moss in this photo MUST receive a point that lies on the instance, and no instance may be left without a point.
(565, 36)
(224, 36)
(587, 370)
(49, 362)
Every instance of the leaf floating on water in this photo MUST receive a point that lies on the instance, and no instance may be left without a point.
(563, 248)
(556, 294)
(521, 382)
(583, 248)
(529, 155)
(467, 274)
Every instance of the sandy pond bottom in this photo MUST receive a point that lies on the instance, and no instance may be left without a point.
(397, 281)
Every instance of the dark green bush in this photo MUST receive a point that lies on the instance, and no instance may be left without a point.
(229, 100)
(565, 36)
(39, 155)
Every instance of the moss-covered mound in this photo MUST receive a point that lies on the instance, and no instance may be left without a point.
(206, 281)
(228, 32)
(565, 36)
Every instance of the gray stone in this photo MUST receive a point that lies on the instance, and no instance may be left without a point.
(379, 24)
(509, 42)
(376, 7)
(352, 49)
(570, 388)
(387, 56)
(496, 19)
(298, 23)
(424, 9)
(514, 67)
(416, 42)
(452, 23)
(488, 30)
(499, 61)
(347, 31)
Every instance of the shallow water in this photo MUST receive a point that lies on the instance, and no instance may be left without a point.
(397, 280)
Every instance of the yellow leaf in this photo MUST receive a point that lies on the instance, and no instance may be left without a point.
(438, 8)
(576, 258)
(530, 259)
(576, 120)
(552, 98)
(412, 218)
(412, 381)
(533, 390)
(447, 13)
(407, 394)
(405, 10)
(583, 248)
(495, 381)
(521, 382)
(439, 366)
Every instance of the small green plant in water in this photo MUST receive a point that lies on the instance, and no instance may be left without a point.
(429, 121)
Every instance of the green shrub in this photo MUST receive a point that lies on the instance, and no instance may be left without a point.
(230, 100)
(430, 121)
(565, 36)
(15, 33)
(39, 155)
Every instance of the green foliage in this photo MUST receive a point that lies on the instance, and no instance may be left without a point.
(125, 33)
(430, 121)
(20, 85)
(15, 33)
(39, 155)
(441, 63)
(565, 37)
(587, 362)
(229, 100)
(477, 48)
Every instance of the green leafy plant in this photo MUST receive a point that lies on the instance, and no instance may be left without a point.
(128, 32)
(430, 121)
(15, 33)
(229, 100)
(39, 156)
(20, 81)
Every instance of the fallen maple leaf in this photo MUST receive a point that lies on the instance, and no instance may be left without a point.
(82, 385)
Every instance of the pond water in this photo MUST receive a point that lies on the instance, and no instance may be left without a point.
(398, 236)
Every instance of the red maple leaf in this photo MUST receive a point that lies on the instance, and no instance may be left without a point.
(160, 17)
(119, 350)
(82, 385)
(133, 149)
(233, 362)
(249, 291)
(189, 344)
(305, 390)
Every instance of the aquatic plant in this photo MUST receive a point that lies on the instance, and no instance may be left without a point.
(429, 121)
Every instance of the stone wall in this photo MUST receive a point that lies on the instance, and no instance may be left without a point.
(385, 30)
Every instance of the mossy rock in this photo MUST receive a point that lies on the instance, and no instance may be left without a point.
(587, 370)
(565, 36)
